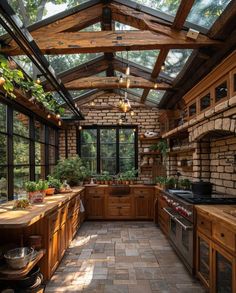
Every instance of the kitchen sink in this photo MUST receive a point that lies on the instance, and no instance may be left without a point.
(119, 190)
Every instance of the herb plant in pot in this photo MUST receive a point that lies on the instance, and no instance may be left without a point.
(31, 188)
(54, 184)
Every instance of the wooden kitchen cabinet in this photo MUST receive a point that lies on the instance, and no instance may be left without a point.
(215, 257)
(143, 206)
(54, 248)
(96, 207)
(163, 217)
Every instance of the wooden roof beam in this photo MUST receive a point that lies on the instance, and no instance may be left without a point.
(87, 69)
(96, 82)
(110, 41)
(182, 14)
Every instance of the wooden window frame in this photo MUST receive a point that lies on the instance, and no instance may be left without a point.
(223, 79)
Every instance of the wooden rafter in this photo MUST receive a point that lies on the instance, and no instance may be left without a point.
(156, 70)
(94, 82)
(111, 41)
(182, 14)
(87, 69)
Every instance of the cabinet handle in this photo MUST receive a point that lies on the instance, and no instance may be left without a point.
(222, 234)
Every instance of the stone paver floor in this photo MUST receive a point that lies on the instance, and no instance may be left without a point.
(121, 257)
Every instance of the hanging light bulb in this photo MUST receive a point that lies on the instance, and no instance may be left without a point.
(49, 116)
(92, 103)
(134, 129)
(2, 80)
(80, 127)
(121, 80)
(59, 123)
(127, 71)
(155, 85)
(120, 102)
(38, 80)
(132, 113)
(127, 106)
(163, 66)
(128, 83)
(58, 115)
(120, 121)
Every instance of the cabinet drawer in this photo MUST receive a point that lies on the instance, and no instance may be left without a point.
(143, 191)
(204, 225)
(223, 235)
(117, 200)
(54, 222)
(113, 211)
(95, 191)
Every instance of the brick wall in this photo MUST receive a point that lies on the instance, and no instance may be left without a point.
(147, 118)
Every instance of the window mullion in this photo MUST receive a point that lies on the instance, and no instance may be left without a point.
(117, 150)
(98, 152)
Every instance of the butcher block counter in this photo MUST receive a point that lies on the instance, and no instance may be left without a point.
(19, 218)
(56, 220)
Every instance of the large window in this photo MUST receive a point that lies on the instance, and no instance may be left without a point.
(108, 148)
(28, 150)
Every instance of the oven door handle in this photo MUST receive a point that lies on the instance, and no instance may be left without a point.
(182, 225)
(170, 214)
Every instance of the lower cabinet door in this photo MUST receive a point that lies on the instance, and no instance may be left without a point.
(224, 266)
(96, 207)
(63, 240)
(142, 207)
(54, 251)
(203, 259)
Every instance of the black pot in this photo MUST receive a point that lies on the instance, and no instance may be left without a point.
(202, 188)
(30, 279)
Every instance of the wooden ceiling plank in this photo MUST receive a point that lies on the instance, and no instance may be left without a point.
(96, 82)
(182, 14)
(110, 41)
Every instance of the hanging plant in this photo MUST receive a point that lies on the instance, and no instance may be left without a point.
(12, 77)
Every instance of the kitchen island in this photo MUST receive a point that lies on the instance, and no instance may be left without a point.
(56, 220)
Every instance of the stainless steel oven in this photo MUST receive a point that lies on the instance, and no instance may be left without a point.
(181, 236)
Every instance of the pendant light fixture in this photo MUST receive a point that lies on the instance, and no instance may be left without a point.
(127, 71)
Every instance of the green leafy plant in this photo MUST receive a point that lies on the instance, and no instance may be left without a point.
(54, 183)
(163, 147)
(154, 147)
(129, 175)
(72, 170)
(30, 186)
(185, 184)
(42, 185)
(105, 176)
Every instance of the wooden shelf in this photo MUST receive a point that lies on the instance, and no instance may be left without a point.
(7, 273)
(181, 150)
(149, 153)
(149, 138)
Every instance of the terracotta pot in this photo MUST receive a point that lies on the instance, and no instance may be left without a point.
(106, 182)
(50, 191)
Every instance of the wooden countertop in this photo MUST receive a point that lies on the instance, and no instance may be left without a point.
(131, 185)
(10, 218)
(220, 213)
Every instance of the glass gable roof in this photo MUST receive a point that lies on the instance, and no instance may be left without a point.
(145, 58)
(62, 63)
(92, 28)
(155, 96)
(205, 12)
(123, 27)
(175, 61)
(35, 11)
(25, 63)
(166, 6)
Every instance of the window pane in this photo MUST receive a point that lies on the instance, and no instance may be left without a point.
(21, 175)
(89, 136)
(20, 124)
(205, 102)
(126, 135)
(3, 184)
(107, 135)
(3, 115)
(39, 131)
(205, 13)
(221, 91)
(39, 153)
(108, 150)
(126, 164)
(126, 150)
(20, 150)
(52, 136)
(108, 165)
(192, 109)
(92, 164)
(3, 149)
(52, 154)
(89, 150)
(39, 172)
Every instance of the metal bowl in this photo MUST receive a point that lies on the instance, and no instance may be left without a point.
(18, 258)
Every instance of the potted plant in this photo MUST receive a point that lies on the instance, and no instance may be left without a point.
(185, 184)
(163, 147)
(154, 148)
(105, 177)
(71, 169)
(54, 185)
(31, 188)
(130, 176)
(162, 182)
(42, 186)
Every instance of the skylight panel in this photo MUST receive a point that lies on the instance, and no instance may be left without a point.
(166, 6)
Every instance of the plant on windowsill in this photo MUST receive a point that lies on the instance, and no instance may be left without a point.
(54, 183)
(185, 184)
(105, 177)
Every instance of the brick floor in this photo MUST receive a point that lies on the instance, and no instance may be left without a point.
(121, 257)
